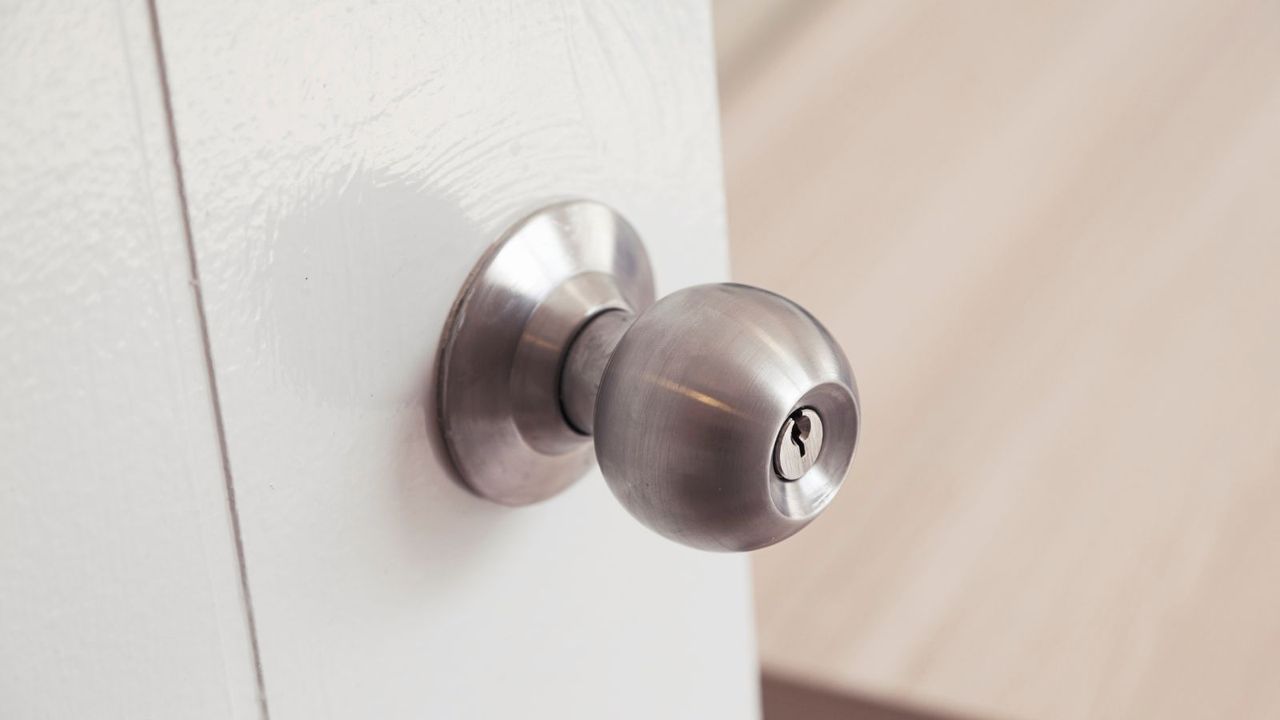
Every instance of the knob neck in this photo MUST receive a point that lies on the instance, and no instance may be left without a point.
(585, 364)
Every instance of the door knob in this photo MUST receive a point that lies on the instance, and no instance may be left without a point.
(722, 416)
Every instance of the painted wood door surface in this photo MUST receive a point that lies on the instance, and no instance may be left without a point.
(232, 233)
(119, 587)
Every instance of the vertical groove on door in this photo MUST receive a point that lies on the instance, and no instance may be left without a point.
(184, 211)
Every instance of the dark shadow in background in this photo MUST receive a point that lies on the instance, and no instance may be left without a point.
(787, 699)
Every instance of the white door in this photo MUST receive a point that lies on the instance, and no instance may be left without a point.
(231, 235)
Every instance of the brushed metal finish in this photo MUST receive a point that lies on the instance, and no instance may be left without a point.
(724, 417)
(585, 365)
(540, 356)
(508, 335)
(690, 409)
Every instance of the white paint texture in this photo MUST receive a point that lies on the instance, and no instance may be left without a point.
(119, 593)
(345, 165)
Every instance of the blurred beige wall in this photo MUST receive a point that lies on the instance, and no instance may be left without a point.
(1048, 236)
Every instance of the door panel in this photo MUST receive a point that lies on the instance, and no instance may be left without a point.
(119, 586)
(345, 166)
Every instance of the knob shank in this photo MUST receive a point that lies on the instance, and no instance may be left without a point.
(584, 367)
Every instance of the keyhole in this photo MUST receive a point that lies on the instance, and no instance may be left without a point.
(800, 432)
(798, 444)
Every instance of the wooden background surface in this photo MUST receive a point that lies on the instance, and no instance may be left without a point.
(1048, 235)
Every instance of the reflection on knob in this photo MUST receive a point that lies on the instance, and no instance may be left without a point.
(723, 416)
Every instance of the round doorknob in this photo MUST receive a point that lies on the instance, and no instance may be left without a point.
(723, 416)
(726, 417)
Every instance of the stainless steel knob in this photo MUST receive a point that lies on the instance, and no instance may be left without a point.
(723, 416)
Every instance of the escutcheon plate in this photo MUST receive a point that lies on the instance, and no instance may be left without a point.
(506, 339)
